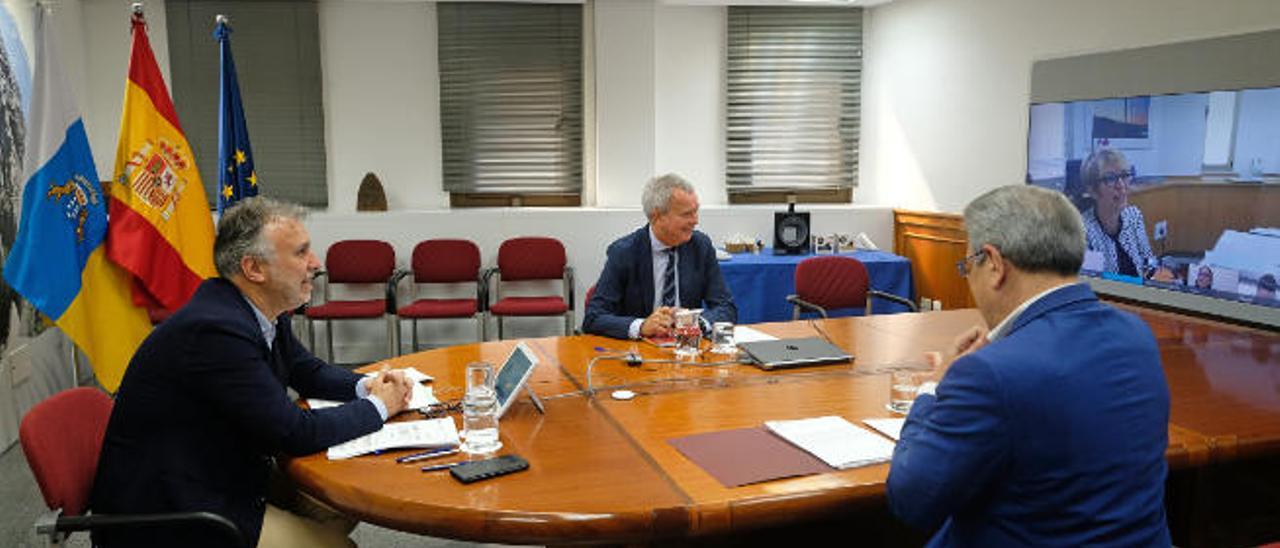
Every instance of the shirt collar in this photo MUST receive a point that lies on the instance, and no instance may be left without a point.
(264, 323)
(1003, 327)
(655, 244)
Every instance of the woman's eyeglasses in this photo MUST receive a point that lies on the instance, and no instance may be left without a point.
(962, 265)
(1113, 179)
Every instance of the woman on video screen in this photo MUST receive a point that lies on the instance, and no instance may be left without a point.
(1113, 226)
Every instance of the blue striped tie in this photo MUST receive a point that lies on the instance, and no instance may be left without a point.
(669, 278)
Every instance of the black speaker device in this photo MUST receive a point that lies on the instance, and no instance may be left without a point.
(791, 234)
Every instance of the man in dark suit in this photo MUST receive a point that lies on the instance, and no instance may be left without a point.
(1050, 428)
(203, 408)
(663, 266)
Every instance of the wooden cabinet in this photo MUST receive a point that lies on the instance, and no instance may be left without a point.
(933, 242)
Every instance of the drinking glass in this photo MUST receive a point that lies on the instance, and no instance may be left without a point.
(688, 334)
(722, 341)
(903, 386)
(480, 411)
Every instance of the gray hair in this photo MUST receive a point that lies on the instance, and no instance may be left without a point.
(1092, 167)
(240, 231)
(1036, 229)
(656, 197)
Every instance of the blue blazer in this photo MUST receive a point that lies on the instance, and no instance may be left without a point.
(1053, 435)
(625, 289)
(201, 411)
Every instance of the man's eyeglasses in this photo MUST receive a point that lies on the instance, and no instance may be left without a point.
(962, 265)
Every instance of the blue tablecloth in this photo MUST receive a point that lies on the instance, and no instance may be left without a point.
(761, 282)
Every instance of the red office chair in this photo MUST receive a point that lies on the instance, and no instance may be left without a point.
(442, 262)
(526, 259)
(834, 282)
(62, 438)
(352, 262)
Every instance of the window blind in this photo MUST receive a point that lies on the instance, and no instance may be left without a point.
(793, 98)
(511, 97)
(276, 46)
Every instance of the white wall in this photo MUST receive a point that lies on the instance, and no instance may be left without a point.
(947, 84)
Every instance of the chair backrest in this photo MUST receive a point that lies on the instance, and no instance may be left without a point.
(445, 261)
(832, 281)
(531, 258)
(360, 261)
(62, 437)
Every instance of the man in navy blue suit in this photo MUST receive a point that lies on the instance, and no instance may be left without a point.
(203, 408)
(1050, 428)
(664, 266)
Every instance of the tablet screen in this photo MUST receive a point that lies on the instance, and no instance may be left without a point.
(512, 376)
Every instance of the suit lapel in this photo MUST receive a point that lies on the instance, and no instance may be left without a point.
(645, 250)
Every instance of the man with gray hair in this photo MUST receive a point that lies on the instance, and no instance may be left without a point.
(663, 266)
(1050, 428)
(203, 408)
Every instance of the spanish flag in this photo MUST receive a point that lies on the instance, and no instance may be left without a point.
(58, 262)
(161, 227)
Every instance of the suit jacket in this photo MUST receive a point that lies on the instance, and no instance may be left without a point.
(625, 290)
(201, 411)
(1052, 435)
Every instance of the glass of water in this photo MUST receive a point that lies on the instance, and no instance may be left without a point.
(722, 341)
(688, 333)
(480, 411)
(903, 386)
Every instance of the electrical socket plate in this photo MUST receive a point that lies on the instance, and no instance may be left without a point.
(1161, 231)
(937, 304)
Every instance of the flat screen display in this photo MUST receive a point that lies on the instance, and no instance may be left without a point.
(1177, 192)
(513, 375)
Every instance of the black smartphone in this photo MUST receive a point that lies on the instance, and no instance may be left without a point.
(473, 471)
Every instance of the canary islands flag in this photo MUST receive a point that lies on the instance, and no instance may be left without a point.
(161, 227)
(58, 261)
(237, 179)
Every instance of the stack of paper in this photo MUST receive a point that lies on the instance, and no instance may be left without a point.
(422, 397)
(835, 440)
(428, 434)
(888, 427)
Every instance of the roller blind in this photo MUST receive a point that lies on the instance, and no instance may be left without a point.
(276, 46)
(794, 94)
(511, 97)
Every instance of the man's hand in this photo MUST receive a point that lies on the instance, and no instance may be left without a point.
(394, 389)
(971, 340)
(659, 323)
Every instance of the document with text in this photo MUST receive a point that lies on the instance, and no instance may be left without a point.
(836, 441)
(439, 433)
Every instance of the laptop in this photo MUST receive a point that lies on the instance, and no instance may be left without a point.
(783, 353)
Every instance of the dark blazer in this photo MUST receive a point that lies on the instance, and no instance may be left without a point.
(202, 410)
(625, 289)
(1053, 435)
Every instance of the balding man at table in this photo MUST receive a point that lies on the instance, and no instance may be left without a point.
(1050, 429)
(659, 268)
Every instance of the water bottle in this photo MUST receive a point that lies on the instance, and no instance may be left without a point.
(480, 411)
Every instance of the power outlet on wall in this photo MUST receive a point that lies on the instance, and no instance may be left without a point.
(937, 304)
(926, 303)
(1160, 231)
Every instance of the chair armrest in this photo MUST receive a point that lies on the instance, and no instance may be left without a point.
(393, 285)
(797, 301)
(568, 284)
(895, 298)
(485, 275)
(215, 524)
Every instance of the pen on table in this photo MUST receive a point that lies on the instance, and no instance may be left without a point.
(426, 455)
(439, 467)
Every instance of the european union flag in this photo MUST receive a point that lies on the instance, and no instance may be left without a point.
(236, 177)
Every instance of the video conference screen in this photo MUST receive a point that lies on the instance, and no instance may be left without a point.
(1180, 192)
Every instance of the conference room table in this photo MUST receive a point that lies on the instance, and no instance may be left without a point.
(602, 470)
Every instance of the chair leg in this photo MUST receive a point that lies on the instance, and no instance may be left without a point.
(393, 335)
(568, 323)
(480, 319)
(311, 335)
(499, 327)
(328, 337)
(415, 335)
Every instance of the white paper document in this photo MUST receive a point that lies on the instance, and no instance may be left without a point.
(743, 334)
(428, 434)
(836, 441)
(888, 427)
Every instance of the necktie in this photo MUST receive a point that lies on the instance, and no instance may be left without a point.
(669, 279)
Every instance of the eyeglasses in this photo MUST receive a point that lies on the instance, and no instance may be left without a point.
(962, 265)
(1114, 178)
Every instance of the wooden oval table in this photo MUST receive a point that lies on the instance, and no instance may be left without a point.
(602, 470)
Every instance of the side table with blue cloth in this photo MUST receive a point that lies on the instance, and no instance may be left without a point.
(760, 283)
